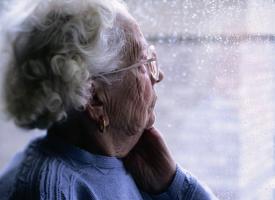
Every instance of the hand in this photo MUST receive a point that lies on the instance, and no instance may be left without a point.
(151, 163)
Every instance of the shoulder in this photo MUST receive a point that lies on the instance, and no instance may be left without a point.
(40, 175)
(8, 176)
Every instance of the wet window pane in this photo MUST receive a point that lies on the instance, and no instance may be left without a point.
(215, 105)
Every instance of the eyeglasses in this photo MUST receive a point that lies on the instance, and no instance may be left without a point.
(150, 63)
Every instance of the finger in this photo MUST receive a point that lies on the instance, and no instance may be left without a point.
(153, 134)
(133, 162)
(151, 139)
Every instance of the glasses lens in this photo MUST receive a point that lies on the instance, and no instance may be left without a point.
(153, 65)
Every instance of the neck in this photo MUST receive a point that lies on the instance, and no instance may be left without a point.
(85, 135)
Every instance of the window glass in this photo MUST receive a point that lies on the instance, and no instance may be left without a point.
(215, 105)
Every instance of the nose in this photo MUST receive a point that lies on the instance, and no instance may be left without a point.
(161, 76)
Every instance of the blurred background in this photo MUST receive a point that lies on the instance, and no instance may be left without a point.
(216, 104)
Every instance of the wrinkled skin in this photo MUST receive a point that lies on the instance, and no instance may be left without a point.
(131, 120)
(126, 106)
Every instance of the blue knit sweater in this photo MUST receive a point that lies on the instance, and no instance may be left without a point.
(53, 170)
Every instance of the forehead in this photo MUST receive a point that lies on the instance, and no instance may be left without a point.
(135, 44)
(130, 26)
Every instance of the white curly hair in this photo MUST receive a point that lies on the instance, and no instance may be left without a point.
(56, 47)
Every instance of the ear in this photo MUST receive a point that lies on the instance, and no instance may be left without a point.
(95, 108)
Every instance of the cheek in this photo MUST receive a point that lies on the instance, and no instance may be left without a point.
(145, 100)
(131, 103)
(148, 92)
(128, 106)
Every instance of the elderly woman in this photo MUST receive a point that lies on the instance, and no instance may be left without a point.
(82, 70)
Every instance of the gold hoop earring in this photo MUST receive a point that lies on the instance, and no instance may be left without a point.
(102, 125)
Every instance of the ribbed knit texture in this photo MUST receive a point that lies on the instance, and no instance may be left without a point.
(53, 170)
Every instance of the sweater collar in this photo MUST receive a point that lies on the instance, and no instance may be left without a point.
(80, 156)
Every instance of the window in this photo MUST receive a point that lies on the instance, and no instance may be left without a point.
(215, 105)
